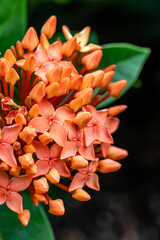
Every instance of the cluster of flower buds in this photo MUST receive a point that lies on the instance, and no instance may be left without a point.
(49, 126)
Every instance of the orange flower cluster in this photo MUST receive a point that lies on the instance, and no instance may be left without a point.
(49, 126)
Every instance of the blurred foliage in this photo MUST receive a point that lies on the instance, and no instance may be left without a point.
(13, 19)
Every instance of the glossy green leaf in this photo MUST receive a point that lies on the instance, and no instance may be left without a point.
(37, 229)
(13, 21)
(129, 60)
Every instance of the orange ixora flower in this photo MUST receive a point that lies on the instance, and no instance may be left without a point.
(49, 126)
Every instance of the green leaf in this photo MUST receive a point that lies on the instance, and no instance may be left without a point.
(37, 229)
(129, 60)
(13, 20)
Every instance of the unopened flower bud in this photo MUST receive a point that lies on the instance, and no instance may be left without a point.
(113, 111)
(85, 95)
(12, 76)
(82, 119)
(41, 185)
(29, 149)
(9, 56)
(107, 78)
(26, 160)
(4, 67)
(16, 146)
(116, 88)
(49, 27)
(14, 52)
(92, 60)
(20, 119)
(20, 50)
(87, 82)
(69, 47)
(4, 166)
(116, 153)
(75, 104)
(24, 217)
(56, 207)
(40, 197)
(28, 134)
(30, 64)
(81, 195)
(34, 111)
(78, 162)
(30, 40)
(38, 92)
(15, 171)
(32, 170)
(34, 201)
(108, 165)
(53, 176)
(52, 89)
(110, 68)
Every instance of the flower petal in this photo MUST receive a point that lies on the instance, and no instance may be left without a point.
(10, 133)
(61, 167)
(86, 152)
(54, 51)
(2, 196)
(103, 134)
(69, 149)
(64, 113)
(77, 182)
(55, 151)
(42, 167)
(42, 152)
(72, 130)
(41, 124)
(93, 182)
(14, 202)
(7, 155)
(112, 124)
(104, 148)
(46, 109)
(18, 184)
(4, 180)
(90, 135)
(58, 132)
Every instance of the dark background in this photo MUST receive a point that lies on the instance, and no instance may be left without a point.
(128, 205)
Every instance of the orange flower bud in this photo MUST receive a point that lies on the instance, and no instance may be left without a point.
(110, 68)
(116, 88)
(55, 74)
(38, 92)
(98, 76)
(28, 101)
(113, 111)
(85, 95)
(30, 64)
(53, 176)
(20, 50)
(14, 52)
(32, 170)
(15, 171)
(4, 167)
(116, 153)
(87, 82)
(44, 41)
(19, 152)
(40, 198)
(12, 76)
(16, 146)
(78, 162)
(30, 40)
(92, 60)
(75, 82)
(69, 47)
(66, 72)
(34, 111)
(49, 27)
(108, 165)
(9, 56)
(56, 207)
(28, 134)
(64, 87)
(29, 149)
(20, 119)
(82, 119)
(81, 195)
(4, 67)
(107, 78)
(41, 185)
(24, 217)
(45, 138)
(26, 160)
(34, 201)
(52, 89)
(75, 104)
